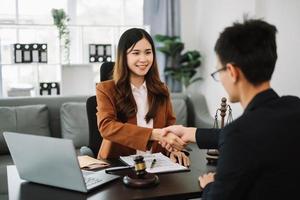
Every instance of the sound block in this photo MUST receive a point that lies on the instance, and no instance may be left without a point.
(212, 156)
(212, 160)
(148, 180)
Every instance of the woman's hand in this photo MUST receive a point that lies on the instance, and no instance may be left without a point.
(180, 157)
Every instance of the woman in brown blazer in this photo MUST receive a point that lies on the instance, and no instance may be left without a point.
(135, 105)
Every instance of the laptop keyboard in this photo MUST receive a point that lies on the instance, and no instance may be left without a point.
(90, 181)
(90, 178)
(93, 179)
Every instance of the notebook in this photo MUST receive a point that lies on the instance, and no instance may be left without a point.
(162, 164)
(52, 161)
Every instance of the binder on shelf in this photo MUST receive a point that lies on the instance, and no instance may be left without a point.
(30, 53)
(99, 53)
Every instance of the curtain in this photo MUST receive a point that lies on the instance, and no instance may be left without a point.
(163, 16)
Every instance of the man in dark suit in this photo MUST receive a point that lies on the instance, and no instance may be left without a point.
(259, 150)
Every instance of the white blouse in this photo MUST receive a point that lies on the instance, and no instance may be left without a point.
(141, 98)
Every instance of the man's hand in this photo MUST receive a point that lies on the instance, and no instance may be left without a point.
(173, 140)
(206, 179)
(176, 129)
(186, 134)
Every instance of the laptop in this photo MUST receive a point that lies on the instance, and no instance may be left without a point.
(52, 161)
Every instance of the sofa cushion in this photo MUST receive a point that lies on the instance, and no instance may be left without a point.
(74, 124)
(180, 109)
(31, 119)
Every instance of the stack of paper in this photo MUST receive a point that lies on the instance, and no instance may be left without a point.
(162, 164)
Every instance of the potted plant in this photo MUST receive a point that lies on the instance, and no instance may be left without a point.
(180, 67)
(60, 20)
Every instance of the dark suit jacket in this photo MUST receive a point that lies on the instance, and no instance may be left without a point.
(259, 151)
(123, 139)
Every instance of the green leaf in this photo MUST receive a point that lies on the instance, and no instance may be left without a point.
(60, 20)
(183, 66)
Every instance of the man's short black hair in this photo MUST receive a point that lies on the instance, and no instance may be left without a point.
(251, 46)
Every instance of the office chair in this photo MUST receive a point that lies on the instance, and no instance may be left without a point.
(95, 138)
(106, 71)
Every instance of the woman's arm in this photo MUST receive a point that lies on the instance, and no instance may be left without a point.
(127, 134)
(111, 129)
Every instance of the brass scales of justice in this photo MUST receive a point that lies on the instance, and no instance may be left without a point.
(212, 155)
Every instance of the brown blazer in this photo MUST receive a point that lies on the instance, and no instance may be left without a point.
(123, 139)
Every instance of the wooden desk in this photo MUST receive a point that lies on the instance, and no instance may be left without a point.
(182, 185)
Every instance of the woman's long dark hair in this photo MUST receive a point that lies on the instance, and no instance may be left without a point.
(157, 91)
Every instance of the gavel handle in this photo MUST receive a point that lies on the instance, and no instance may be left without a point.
(113, 169)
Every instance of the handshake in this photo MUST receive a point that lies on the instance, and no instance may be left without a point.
(174, 137)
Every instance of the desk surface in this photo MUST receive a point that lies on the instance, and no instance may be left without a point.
(181, 185)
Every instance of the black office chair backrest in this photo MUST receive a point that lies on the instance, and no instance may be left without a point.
(95, 138)
(106, 71)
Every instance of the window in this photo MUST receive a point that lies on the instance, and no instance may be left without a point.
(7, 11)
(108, 12)
(30, 21)
(40, 13)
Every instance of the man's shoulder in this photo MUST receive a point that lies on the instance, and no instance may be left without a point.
(273, 112)
(290, 99)
(283, 104)
(278, 105)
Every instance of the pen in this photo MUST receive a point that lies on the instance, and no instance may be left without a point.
(153, 163)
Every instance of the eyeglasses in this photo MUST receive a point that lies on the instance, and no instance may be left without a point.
(215, 74)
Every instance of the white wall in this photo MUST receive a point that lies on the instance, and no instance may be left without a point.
(203, 20)
(77, 80)
(286, 16)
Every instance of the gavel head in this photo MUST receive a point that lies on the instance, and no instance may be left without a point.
(140, 166)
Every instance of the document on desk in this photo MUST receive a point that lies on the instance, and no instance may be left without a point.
(89, 163)
(162, 164)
